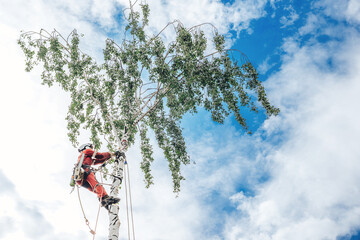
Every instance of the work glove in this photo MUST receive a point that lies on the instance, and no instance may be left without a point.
(119, 154)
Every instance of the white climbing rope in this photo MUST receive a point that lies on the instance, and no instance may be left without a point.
(127, 207)
(131, 208)
(82, 209)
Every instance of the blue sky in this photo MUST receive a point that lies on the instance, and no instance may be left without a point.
(296, 177)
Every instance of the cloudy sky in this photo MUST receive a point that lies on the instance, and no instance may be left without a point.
(296, 177)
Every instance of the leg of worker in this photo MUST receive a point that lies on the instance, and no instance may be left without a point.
(95, 186)
(84, 183)
(87, 186)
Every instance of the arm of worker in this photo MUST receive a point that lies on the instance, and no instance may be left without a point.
(99, 157)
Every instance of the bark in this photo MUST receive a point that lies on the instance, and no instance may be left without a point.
(117, 177)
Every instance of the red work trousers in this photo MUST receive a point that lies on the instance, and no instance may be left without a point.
(93, 185)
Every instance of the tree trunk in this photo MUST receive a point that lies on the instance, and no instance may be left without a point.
(117, 176)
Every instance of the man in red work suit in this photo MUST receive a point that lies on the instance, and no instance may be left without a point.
(93, 158)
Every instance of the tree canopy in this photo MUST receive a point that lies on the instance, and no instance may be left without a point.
(145, 83)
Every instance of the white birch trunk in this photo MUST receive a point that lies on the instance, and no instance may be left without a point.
(114, 221)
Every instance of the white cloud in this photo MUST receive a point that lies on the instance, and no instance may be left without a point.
(348, 10)
(265, 66)
(289, 19)
(313, 22)
(235, 16)
(353, 10)
(314, 191)
(230, 17)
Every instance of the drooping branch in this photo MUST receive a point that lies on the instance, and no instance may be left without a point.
(157, 101)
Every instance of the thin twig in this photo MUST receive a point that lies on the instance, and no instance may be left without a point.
(196, 26)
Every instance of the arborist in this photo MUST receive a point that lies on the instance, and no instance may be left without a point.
(87, 158)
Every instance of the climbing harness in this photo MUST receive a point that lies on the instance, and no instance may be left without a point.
(78, 173)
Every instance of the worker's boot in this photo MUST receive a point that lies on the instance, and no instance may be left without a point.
(109, 200)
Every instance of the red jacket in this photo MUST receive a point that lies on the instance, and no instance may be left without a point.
(99, 157)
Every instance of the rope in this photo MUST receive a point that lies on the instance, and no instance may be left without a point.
(127, 208)
(131, 209)
(93, 232)
(127, 179)
(82, 209)
(106, 184)
(107, 174)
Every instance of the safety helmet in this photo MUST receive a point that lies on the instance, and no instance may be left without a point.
(85, 146)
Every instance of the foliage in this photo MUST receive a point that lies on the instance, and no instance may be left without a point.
(145, 84)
